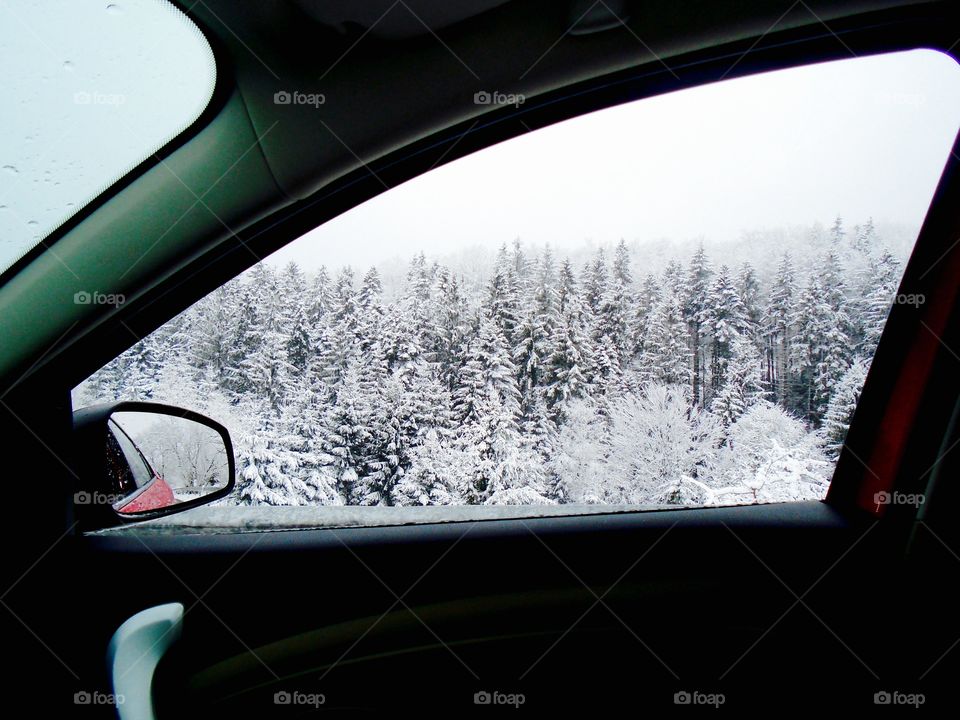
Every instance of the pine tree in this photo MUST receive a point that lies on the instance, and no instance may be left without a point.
(269, 469)
(521, 268)
(212, 331)
(440, 472)
(302, 424)
(345, 435)
(345, 300)
(604, 372)
(400, 340)
(384, 459)
(299, 344)
(865, 238)
(266, 371)
(569, 302)
(777, 327)
(879, 294)
(488, 375)
(595, 282)
(822, 344)
(564, 378)
(726, 320)
(246, 341)
(742, 383)
(843, 402)
(339, 340)
(835, 342)
(837, 234)
(369, 310)
(291, 285)
(503, 299)
(695, 304)
(621, 265)
(748, 288)
(452, 329)
(645, 304)
(613, 320)
(665, 354)
(529, 356)
(142, 370)
(487, 404)
(321, 298)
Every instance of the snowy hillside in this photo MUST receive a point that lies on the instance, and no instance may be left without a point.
(686, 381)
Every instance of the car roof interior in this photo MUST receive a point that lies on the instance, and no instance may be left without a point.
(251, 174)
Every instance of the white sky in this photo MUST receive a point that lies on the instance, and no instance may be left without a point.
(864, 137)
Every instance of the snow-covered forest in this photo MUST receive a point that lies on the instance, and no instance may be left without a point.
(535, 379)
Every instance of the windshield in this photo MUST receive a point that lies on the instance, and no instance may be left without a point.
(91, 89)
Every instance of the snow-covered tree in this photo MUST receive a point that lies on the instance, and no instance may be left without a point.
(843, 402)
(654, 375)
(742, 381)
(665, 357)
(768, 457)
(659, 444)
(777, 327)
(882, 283)
(696, 301)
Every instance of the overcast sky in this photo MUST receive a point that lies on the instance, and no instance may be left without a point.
(861, 137)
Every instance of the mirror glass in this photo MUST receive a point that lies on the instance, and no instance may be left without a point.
(157, 460)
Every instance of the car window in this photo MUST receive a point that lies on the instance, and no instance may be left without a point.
(91, 89)
(131, 455)
(672, 302)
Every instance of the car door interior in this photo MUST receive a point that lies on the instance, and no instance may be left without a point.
(797, 604)
(621, 609)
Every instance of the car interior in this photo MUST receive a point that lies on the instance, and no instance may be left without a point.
(807, 604)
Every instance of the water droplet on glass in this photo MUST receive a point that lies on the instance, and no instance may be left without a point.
(68, 66)
(32, 223)
(11, 169)
(114, 9)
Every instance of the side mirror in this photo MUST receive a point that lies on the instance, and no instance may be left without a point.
(140, 460)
